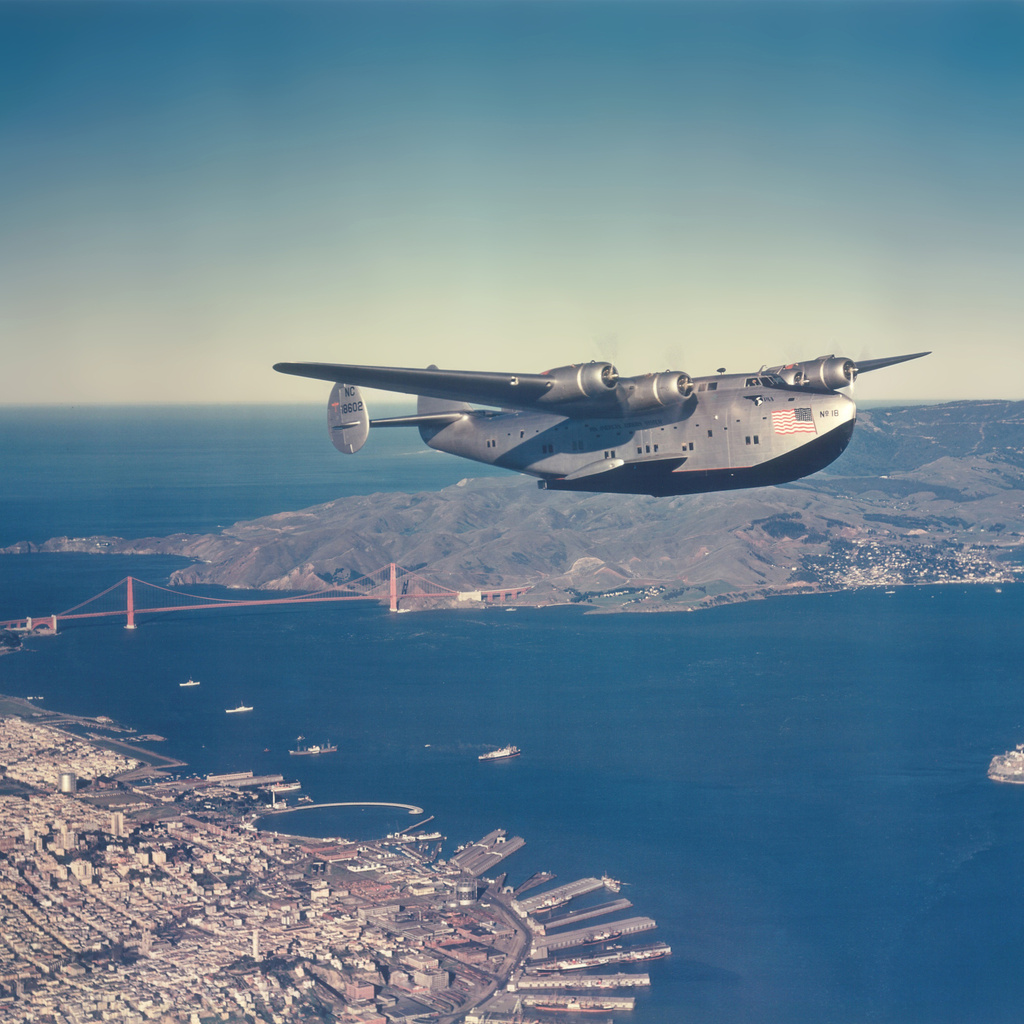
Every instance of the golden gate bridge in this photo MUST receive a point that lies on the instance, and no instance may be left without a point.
(130, 597)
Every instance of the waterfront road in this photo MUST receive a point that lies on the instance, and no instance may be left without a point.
(513, 961)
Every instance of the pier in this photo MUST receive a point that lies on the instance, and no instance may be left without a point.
(630, 955)
(542, 982)
(539, 878)
(556, 897)
(482, 855)
(579, 1003)
(542, 928)
(544, 945)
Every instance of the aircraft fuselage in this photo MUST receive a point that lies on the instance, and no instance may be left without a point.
(732, 431)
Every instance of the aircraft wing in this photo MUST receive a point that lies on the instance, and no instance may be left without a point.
(506, 390)
(863, 365)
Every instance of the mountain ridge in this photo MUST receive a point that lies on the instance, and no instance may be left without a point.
(923, 494)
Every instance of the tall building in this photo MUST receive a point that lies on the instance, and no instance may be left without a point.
(434, 980)
(82, 870)
(117, 824)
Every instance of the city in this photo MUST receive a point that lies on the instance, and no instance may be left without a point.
(127, 894)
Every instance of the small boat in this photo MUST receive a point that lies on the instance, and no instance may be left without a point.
(234, 711)
(191, 682)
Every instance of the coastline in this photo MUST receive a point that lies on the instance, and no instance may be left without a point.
(310, 937)
(152, 762)
(933, 495)
(635, 599)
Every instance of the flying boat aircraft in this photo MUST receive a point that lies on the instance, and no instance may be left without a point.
(585, 428)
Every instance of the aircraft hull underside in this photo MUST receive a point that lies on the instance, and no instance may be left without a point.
(659, 479)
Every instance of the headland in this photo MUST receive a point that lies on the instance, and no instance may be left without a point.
(923, 495)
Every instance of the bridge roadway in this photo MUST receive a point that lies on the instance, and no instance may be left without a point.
(390, 583)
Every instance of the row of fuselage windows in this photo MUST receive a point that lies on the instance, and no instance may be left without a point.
(646, 449)
(649, 449)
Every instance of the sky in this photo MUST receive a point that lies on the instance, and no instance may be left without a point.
(192, 191)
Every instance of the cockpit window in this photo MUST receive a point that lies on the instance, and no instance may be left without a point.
(752, 382)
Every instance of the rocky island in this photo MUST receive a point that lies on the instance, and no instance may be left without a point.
(924, 494)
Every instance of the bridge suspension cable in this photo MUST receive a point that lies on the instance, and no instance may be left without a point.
(391, 583)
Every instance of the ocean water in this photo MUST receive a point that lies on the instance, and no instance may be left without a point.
(794, 789)
(140, 472)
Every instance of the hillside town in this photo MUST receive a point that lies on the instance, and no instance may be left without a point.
(869, 562)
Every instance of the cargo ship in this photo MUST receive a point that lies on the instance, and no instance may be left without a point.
(327, 748)
(586, 1004)
(234, 711)
(501, 754)
(635, 954)
(191, 682)
(284, 787)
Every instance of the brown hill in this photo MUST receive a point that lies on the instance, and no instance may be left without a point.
(924, 494)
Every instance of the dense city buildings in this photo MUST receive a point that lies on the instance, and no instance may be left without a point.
(160, 899)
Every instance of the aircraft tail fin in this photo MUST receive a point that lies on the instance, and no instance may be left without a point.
(348, 421)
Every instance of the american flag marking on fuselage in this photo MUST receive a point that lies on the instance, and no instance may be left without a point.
(793, 421)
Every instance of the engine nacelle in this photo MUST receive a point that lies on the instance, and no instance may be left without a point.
(579, 383)
(829, 372)
(656, 390)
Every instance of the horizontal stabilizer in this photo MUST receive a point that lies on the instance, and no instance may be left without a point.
(434, 419)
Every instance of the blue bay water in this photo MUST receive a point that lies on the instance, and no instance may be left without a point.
(140, 472)
(795, 789)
